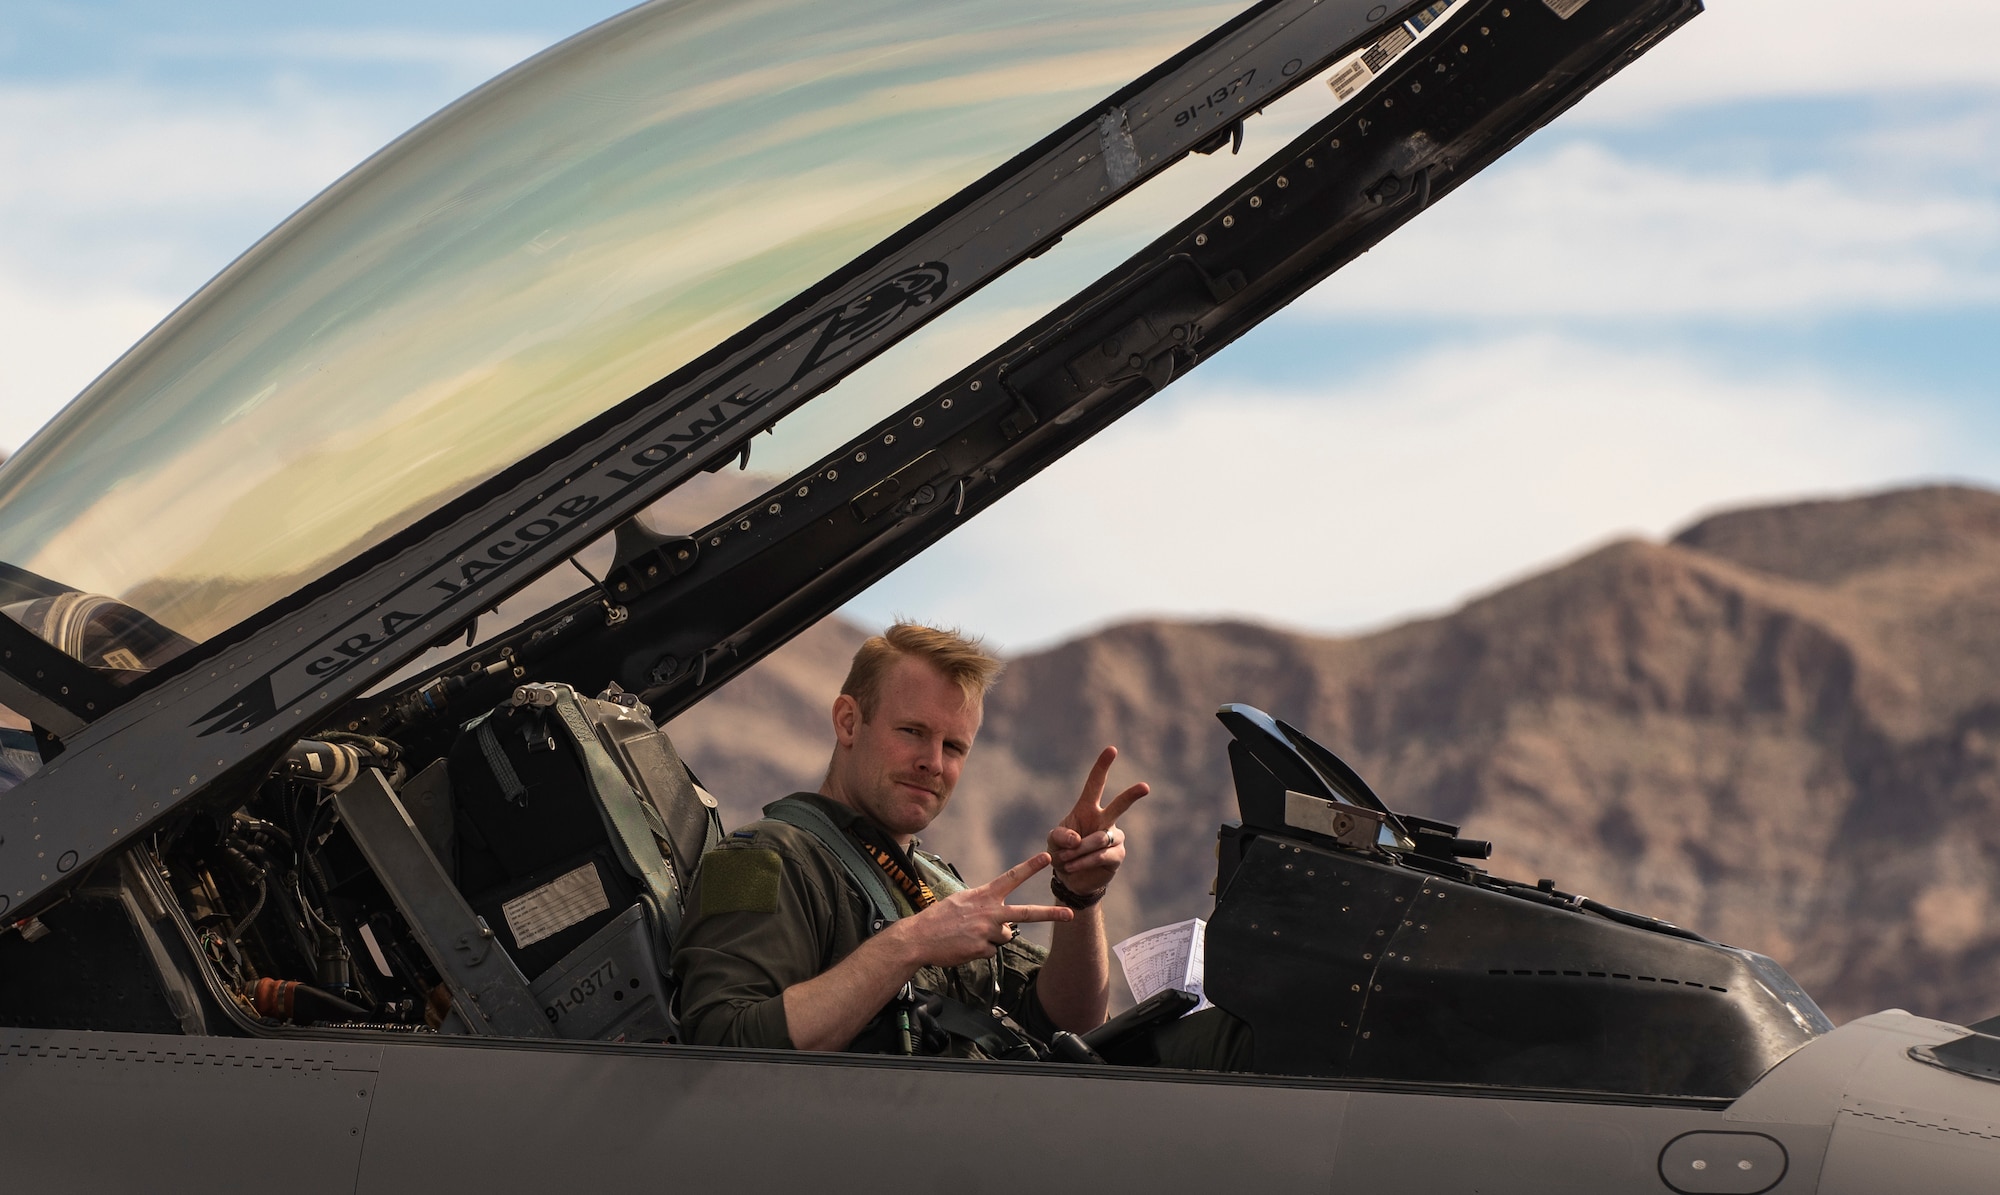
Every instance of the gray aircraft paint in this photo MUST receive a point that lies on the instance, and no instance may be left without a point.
(90, 1112)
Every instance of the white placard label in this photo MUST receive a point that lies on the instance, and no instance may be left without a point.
(555, 906)
(1349, 79)
(1565, 8)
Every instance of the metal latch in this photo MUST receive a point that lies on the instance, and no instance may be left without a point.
(1350, 825)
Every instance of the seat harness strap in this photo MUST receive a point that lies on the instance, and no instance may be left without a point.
(511, 787)
(866, 876)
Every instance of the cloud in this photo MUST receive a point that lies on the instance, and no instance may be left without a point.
(118, 200)
(91, 150)
(468, 57)
(1585, 233)
(53, 343)
(1401, 488)
(1781, 49)
(1953, 146)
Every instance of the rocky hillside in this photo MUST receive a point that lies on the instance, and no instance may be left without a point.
(1781, 728)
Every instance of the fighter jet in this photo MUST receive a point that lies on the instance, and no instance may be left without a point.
(312, 882)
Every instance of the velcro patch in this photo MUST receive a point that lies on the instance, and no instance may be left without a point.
(740, 880)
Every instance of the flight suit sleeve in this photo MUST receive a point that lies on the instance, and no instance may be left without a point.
(757, 924)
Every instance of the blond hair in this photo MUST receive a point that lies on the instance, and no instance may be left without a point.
(965, 662)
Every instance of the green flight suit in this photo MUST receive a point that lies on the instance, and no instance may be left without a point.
(774, 907)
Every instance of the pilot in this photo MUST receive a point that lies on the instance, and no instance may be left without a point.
(825, 926)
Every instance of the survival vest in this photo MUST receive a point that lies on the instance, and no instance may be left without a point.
(918, 1020)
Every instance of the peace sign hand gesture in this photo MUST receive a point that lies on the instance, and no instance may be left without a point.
(1086, 845)
(971, 923)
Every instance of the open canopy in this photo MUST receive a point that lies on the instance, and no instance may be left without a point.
(547, 247)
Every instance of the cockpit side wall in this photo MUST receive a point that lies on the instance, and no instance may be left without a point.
(1350, 965)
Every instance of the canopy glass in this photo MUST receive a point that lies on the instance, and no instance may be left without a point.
(541, 250)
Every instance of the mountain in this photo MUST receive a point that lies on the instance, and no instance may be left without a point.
(1781, 728)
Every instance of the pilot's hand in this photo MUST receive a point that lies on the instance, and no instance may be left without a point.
(1087, 846)
(970, 924)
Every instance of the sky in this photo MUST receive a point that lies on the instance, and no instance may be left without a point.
(1763, 263)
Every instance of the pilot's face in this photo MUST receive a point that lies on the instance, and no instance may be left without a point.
(899, 766)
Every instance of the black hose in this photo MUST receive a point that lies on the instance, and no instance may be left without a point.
(308, 848)
(296, 925)
(236, 931)
(316, 1004)
(1641, 921)
(1583, 904)
(240, 862)
(317, 873)
(1524, 892)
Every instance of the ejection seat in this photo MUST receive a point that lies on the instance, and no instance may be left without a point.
(559, 837)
